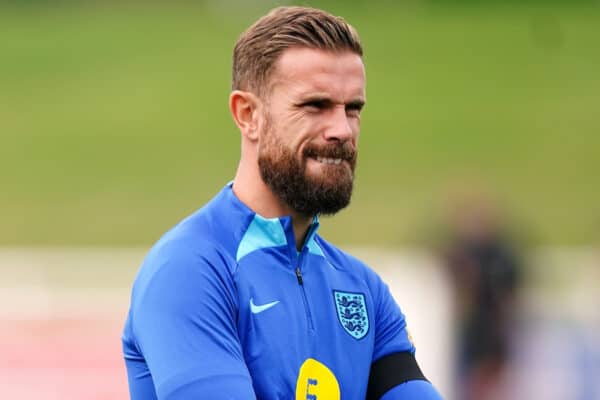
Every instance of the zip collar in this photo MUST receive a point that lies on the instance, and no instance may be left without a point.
(260, 232)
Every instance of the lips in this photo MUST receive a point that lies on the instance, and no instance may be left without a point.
(333, 155)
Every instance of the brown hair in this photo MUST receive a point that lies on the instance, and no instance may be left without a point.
(259, 47)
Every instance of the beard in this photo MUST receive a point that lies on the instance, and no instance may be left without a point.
(285, 173)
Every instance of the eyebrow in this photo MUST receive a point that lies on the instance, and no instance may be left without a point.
(326, 101)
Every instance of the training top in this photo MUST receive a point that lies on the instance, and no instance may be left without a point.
(225, 307)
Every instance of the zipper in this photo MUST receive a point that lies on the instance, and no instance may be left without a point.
(304, 298)
(299, 276)
(301, 280)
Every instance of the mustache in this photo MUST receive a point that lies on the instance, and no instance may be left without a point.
(345, 151)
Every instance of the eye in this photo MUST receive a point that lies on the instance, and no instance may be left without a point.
(354, 109)
(315, 105)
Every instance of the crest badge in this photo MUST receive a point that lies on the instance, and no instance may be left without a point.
(352, 313)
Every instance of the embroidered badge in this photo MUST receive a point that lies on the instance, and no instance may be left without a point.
(352, 313)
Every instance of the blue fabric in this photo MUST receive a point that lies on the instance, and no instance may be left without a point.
(217, 311)
(412, 390)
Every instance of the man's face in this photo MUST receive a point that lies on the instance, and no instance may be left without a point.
(307, 150)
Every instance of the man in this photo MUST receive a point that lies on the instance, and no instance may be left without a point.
(485, 271)
(243, 299)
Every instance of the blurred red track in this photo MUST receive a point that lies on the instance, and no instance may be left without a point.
(62, 359)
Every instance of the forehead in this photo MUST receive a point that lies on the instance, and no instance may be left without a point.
(304, 71)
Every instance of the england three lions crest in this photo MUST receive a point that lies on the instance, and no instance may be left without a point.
(352, 313)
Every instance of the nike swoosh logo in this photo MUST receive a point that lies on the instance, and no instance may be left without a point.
(258, 309)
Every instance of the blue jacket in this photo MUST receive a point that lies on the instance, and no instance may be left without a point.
(224, 307)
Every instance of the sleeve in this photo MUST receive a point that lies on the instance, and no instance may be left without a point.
(412, 390)
(184, 322)
(391, 335)
(395, 373)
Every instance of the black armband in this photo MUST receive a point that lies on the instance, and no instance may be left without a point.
(390, 371)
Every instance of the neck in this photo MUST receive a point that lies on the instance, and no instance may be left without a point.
(249, 187)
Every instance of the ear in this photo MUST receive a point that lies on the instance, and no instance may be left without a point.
(244, 108)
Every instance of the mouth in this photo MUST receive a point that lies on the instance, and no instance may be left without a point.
(331, 155)
(326, 160)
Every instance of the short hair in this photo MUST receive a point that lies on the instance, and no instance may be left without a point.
(259, 47)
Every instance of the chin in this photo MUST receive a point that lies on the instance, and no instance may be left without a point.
(331, 180)
(323, 179)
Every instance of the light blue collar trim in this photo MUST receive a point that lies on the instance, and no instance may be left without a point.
(314, 248)
(262, 233)
(271, 232)
(312, 245)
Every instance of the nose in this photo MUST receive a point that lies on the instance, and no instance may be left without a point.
(340, 126)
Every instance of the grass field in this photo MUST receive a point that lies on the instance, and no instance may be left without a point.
(114, 125)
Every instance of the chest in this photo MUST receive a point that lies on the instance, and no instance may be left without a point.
(305, 328)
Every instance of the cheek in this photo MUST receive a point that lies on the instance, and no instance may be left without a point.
(298, 129)
(355, 124)
(303, 136)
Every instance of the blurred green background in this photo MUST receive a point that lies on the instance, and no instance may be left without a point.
(114, 122)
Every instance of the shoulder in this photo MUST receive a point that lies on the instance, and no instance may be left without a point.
(348, 263)
(182, 250)
(186, 256)
(211, 235)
